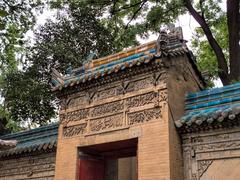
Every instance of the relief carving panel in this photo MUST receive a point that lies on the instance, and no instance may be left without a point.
(141, 100)
(106, 93)
(113, 107)
(74, 130)
(78, 101)
(74, 115)
(106, 123)
(139, 84)
(144, 116)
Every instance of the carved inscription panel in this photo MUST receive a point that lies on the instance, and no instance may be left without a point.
(115, 106)
(106, 123)
(112, 90)
(130, 111)
(144, 116)
(40, 166)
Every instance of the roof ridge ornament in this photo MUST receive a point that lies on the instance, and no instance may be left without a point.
(162, 43)
(165, 34)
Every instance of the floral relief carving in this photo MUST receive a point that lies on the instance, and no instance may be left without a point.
(74, 115)
(113, 107)
(77, 101)
(141, 100)
(144, 116)
(163, 96)
(74, 130)
(203, 166)
(109, 122)
(106, 93)
(138, 85)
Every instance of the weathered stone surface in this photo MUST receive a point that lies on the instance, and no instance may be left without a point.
(208, 154)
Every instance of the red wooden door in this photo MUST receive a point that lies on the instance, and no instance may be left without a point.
(91, 169)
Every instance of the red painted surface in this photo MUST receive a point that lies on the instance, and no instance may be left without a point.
(91, 169)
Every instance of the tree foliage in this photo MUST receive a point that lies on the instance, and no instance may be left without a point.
(65, 42)
(105, 26)
(16, 18)
(153, 13)
(207, 61)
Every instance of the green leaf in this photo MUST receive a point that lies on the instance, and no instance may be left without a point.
(3, 13)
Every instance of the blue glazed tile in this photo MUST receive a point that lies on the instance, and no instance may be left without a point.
(236, 98)
(226, 100)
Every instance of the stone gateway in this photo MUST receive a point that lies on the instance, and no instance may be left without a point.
(139, 114)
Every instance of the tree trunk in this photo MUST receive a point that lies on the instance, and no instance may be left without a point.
(233, 17)
(222, 63)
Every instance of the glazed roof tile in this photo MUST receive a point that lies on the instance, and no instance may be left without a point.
(38, 139)
(136, 56)
(211, 106)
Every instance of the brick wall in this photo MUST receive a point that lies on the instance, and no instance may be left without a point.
(29, 166)
(137, 106)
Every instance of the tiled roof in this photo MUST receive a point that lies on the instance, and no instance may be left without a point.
(142, 54)
(42, 138)
(214, 106)
(7, 144)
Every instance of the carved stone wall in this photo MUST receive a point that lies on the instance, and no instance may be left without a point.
(32, 166)
(211, 155)
(115, 106)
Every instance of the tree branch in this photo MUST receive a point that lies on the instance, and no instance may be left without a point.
(135, 13)
(128, 6)
(234, 37)
(202, 9)
(222, 63)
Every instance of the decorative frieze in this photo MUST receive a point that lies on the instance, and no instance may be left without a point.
(139, 84)
(106, 93)
(77, 101)
(141, 100)
(144, 116)
(218, 146)
(109, 108)
(112, 115)
(75, 115)
(74, 130)
(107, 123)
